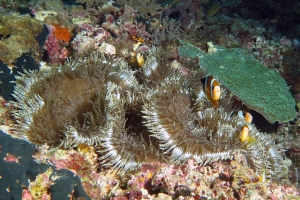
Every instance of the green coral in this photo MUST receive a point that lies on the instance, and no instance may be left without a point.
(258, 87)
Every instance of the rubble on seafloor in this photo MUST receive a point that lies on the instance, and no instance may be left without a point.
(46, 34)
(219, 180)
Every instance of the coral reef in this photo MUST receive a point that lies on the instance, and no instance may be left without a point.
(123, 108)
(40, 186)
(220, 180)
(18, 35)
(56, 6)
(54, 46)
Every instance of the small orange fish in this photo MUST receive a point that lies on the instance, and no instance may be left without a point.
(212, 90)
(246, 115)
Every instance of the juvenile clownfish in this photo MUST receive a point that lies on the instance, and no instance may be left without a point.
(246, 115)
(244, 134)
(140, 59)
(212, 90)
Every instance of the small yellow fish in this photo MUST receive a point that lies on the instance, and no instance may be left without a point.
(244, 135)
(140, 59)
(212, 90)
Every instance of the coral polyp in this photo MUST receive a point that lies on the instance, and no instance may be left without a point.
(135, 117)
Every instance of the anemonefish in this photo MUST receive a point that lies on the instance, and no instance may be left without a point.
(140, 59)
(212, 90)
(246, 115)
(244, 134)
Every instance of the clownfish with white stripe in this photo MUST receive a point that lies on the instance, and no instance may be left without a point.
(212, 90)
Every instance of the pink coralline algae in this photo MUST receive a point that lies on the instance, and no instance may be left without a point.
(26, 195)
(83, 163)
(219, 180)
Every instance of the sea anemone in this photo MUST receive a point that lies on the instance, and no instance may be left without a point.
(187, 127)
(65, 105)
(135, 117)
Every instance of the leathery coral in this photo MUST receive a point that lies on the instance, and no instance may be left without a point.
(135, 117)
